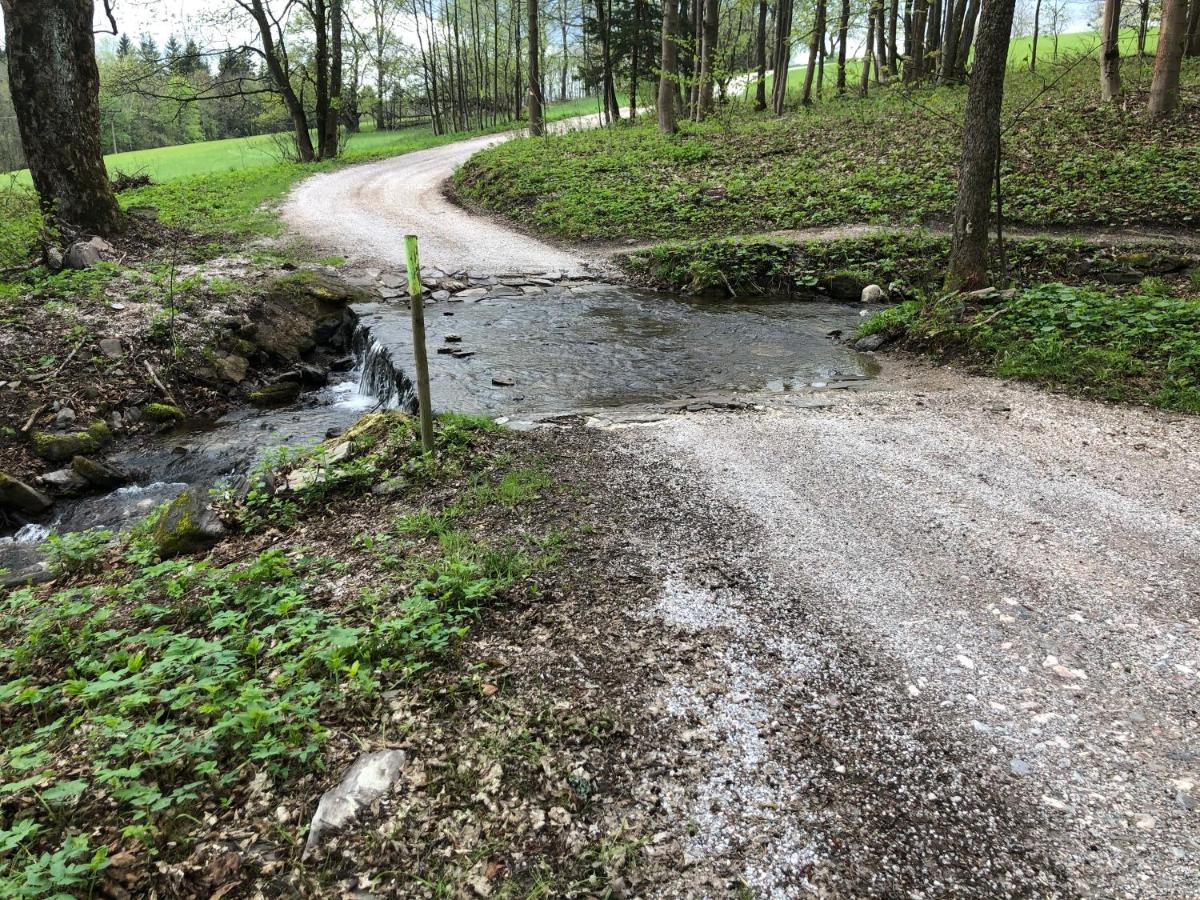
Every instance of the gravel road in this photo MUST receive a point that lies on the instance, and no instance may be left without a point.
(983, 600)
(365, 211)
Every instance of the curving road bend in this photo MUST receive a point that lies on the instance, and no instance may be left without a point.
(365, 211)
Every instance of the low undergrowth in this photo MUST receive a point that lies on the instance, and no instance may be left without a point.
(1140, 346)
(889, 158)
(151, 709)
(905, 264)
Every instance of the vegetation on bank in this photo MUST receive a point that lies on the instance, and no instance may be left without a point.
(889, 158)
(1141, 346)
(154, 709)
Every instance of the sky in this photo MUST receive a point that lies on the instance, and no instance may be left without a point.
(199, 19)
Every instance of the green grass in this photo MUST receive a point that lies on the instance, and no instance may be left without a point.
(889, 158)
(1141, 346)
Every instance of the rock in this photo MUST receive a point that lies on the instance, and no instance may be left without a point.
(162, 412)
(65, 417)
(111, 347)
(188, 525)
(386, 293)
(65, 482)
(59, 447)
(279, 394)
(313, 376)
(870, 343)
(17, 496)
(503, 381)
(343, 364)
(393, 280)
(231, 367)
(983, 295)
(471, 293)
(873, 293)
(367, 780)
(453, 338)
(35, 573)
(441, 295)
(81, 255)
(100, 474)
(299, 311)
(54, 259)
(389, 486)
(1019, 767)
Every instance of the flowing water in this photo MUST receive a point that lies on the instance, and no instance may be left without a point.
(567, 349)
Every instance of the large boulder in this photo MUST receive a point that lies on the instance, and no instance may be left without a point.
(16, 496)
(188, 525)
(85, 254)
(304, 309)
(99, 474)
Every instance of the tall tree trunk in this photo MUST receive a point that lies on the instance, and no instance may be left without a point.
(955, 11)
(612, 109)
(843, 30)
(708, 56)
(933, 33)
(335, 77)
(635, 60)
(668, 78)
(881, 53)
(1143, 25)
(1037, 27)
(55, 88)
(697, 42)
(1110, 52)
(783, 54)
(864, 79)
(915, 67)
(980, 149)
(760, 87)
(317, 8)
(274, 60)
(893, 67)
(1172, 35)
(537, 125)
(810, 68)
(967, 38)
(1193, 29)
(562, 83)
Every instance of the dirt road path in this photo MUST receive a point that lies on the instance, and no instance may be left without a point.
(935, 640)
(365, 211)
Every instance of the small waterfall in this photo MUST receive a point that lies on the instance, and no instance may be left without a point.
(379, 376)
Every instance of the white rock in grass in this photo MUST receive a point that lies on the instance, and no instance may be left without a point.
(370, 778)
(873, 293)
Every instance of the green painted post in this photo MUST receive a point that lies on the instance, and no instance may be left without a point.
(417, 306)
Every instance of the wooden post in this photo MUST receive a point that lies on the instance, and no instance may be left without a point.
(417, 307)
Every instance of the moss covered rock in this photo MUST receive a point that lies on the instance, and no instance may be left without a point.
(62, 446)
(188, 525)
(280, 394)
(163, 412)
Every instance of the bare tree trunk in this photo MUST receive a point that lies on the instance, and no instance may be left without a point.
(1193, 29)
(980, 149)
(537, 124)
(1037, 27)
(933, 33)
(783, 54)
(55, 93)
(612, 109)
(868, 57)
(335, 78)
(562, 83)
(843, 30)
(668, 78)
(274, 57)
(916, 63)
(967, 38)
(634, 59)
(1110, 52)
(697, 42)
(317, 9)
(810, 68)
(1143, 26)
(708, 55)
(760, 87)
(1172, 35)
(881, 52)
(955, 11)
(893, 56)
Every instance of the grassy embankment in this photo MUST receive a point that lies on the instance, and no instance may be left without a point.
(890, 160)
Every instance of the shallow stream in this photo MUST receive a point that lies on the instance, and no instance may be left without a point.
(520, 353)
